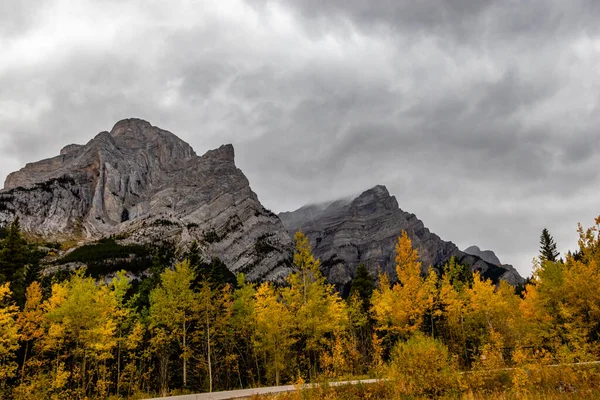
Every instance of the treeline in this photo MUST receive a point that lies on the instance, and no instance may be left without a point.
(192, 328)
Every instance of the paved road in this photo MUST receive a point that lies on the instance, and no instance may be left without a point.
(244, 393)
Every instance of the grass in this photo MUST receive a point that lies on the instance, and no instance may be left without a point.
(564, 382)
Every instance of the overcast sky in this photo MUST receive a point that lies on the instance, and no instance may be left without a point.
(481, 117)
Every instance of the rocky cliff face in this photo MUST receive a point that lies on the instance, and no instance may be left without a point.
(486, 255)
(365, 230)
(490, 257)
(144, 183)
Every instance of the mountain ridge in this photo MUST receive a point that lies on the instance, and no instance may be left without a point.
(365, 230)
(145, 185)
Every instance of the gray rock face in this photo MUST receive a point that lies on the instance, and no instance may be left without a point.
(365, 230)
(511, 275)
(486, 255)
(144, 183)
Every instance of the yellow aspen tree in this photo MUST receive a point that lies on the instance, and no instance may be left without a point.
(123, 317)
(54, 341)
(30, 321)
(242, 322)
(171, 307)
(130, 376)
(83, 320)
(274, 330)
(410, 290)
(9, 336)
(453, 302)
(382, 305)
(540, 307)
(432, 299)
(580, 312)
(213, 312)
(319, 311)
(490, 315)
(359, 331)
(103, 338)
(400, 310)
(160, 346)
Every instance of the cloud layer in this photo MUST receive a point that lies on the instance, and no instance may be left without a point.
(481, 117)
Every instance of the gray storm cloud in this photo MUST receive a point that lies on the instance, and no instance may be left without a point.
(481, 117)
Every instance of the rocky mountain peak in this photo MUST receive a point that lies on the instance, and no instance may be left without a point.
(487, 255)
(365, 229)
(225, 153)
(375, 199)
(134, 126)
(145, 183)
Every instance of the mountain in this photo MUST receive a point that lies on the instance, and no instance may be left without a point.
(486, 255)
(143, 184)
(365, 229)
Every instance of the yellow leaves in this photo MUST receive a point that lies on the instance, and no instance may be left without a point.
(31, 318)
(304, 259)
(408, 266)
(58, 296)
(274, 329)
(60, 378)
(562, 306)
(422, 366)
(337, 362)
(308, 310)
(400, 309)
(9, 335)
(135, 337)
(172, 300)
(377, 352)
(318, 310)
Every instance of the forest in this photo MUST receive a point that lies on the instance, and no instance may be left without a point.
(190, 326)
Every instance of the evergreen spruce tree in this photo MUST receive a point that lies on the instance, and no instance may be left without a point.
(19, 264)
(363, 285)
(548, 250)
(14, 253)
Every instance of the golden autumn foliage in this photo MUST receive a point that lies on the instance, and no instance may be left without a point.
(398, 311)
(9, 336)
(447, 333)
(274, 330)
(422, 366)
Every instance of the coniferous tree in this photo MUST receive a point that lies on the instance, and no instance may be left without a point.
(363, 286)
(17, 262)
(13, 252)
(548, 250)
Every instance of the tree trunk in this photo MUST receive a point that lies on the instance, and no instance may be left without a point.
(184, 354)
(119, 359)
(210, 378)
(163, 366)
(84, 386)
(277, 369)
(24, 360)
